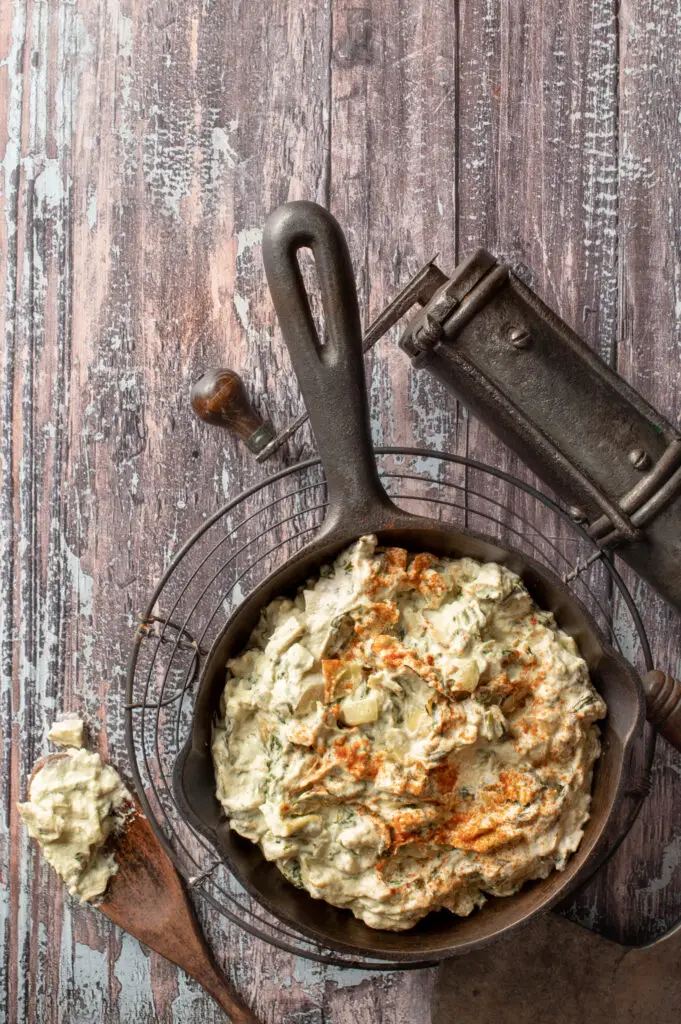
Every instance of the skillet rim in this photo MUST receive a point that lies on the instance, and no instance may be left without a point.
(603, 844)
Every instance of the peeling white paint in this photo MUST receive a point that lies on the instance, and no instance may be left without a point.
(50, 189)
(241, 306)
(15, 95)
(309, 975)
(132, 968)
(222, 151)
(246, 240)
(91, 210)
(669, 869)
(89, 983)
(82, 583)
(625, 632)
(125, 39)
(190, 1002)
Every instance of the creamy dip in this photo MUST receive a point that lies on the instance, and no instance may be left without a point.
(70, 810)
(409, 733)
(68, 731)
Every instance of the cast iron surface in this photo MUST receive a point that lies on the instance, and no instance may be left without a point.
(331, 377)
(231, 408)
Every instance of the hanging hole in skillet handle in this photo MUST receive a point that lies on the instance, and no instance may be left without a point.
(308, 273)
(330, 375)
(663, 705)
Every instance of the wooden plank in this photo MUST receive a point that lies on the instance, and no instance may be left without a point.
(393, 138)
(147, 154)
(538, 159)
(648, 356)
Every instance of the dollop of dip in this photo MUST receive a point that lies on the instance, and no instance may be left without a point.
(409, 733)
(71, 811)
(68, 731)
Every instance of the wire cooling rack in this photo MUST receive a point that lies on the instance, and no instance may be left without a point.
(253, 535)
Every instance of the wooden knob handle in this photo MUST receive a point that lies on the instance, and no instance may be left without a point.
(663, 700)
(219, 397)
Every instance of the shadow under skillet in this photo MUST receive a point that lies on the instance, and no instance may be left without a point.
(555, 972)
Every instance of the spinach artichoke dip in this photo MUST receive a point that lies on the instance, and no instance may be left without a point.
(409, 733)
(74, 804)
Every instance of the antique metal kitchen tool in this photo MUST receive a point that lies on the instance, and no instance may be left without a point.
(214, 401)
(331, 377)
(540, 388)
(217, 398)
(574, 421)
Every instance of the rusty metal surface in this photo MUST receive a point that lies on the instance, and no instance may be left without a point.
(569, 417)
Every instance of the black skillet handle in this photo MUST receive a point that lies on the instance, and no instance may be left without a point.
(331, 375)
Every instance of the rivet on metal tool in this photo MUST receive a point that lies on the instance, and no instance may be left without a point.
(520, 338)
(639, 458)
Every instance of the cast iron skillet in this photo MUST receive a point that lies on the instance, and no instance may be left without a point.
(331, 377)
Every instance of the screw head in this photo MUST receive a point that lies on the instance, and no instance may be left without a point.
(639, 458)
(520, 338)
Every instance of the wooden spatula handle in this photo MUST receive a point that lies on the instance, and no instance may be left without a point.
(147, 898)
(663, 699)
(214, 984)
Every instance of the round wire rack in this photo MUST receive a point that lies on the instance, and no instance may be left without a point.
(252, 536)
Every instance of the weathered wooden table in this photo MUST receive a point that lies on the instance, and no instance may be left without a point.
(143, 145)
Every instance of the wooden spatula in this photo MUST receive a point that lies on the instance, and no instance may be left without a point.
(147, 899)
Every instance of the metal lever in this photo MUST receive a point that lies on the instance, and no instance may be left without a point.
(539, 387)
(219, 396)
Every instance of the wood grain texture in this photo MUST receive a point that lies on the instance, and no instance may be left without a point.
(142, 146)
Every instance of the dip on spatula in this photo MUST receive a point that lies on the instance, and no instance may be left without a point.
(93, 832)
(74, 804)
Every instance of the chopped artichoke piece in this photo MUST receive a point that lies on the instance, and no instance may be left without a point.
(414, 718)
(360, 712)
(467, 676)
